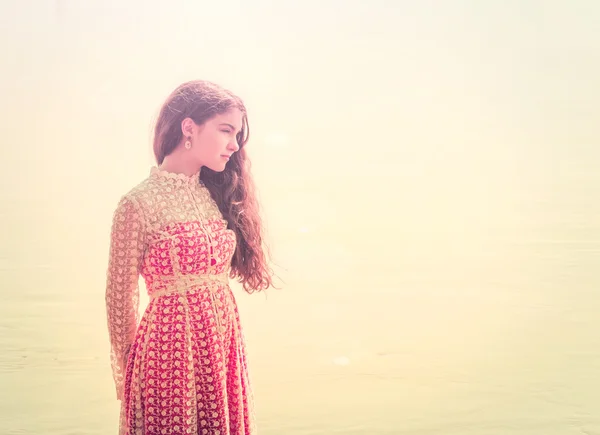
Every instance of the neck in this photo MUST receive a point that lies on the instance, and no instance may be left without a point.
(176, 163)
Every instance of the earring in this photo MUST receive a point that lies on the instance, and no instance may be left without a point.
(187, 144)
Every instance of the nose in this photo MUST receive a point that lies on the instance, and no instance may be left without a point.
(233, 145)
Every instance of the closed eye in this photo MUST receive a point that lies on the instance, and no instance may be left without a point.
(228, 128)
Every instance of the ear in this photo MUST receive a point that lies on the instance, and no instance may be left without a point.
(187, 127)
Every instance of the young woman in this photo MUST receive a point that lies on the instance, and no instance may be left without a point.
(188, 228)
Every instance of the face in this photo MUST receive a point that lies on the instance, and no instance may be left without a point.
(215, 141)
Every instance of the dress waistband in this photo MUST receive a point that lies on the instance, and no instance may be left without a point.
(181, 284)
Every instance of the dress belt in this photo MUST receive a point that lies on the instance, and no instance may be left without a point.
(172, 285)
(181, 284)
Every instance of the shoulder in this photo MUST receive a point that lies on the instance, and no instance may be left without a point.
(136, 198)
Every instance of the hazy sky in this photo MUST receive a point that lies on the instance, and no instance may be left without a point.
(405, 109)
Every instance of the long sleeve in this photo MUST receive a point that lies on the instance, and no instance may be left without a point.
(122, 291)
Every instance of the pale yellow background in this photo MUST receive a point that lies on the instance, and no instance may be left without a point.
(429, 175)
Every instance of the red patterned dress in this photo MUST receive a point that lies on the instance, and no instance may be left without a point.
(181, 368)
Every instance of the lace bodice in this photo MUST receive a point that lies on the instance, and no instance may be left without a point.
(170, 231)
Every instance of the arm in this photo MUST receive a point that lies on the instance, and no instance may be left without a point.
(122, 291)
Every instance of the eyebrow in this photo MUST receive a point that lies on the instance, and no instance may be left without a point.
(229, 125)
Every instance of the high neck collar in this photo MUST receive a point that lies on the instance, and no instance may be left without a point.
(174, 177)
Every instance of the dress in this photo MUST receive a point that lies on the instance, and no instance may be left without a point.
(181, 368)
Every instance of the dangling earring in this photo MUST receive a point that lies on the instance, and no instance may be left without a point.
(187, 144)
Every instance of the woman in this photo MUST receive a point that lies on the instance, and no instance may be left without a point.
(192, 224)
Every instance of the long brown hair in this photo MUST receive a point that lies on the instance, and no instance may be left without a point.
(233, 189)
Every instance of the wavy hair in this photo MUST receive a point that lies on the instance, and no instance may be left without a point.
(232, 189)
